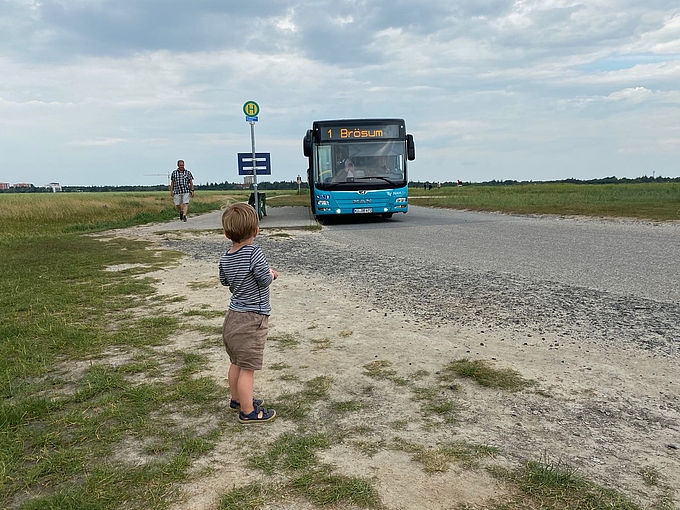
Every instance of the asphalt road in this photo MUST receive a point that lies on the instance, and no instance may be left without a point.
(617, 281)
(626, 258)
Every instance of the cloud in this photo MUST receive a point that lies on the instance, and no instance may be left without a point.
(522, 88)
(287, 23)
(32, 104)
(661, 72)
(631, 96)
(665, 40)
(97, 142)
(653, 147)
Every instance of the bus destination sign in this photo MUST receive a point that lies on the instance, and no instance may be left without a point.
(375, 132)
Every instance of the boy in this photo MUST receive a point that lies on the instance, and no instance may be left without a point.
(244, 269)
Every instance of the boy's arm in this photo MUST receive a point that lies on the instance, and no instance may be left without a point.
(260, 268)
(223, 277)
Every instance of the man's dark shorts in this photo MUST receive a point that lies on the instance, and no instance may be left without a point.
(244, 335)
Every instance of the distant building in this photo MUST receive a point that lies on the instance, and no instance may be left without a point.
(23, 185)
(4, 185)
(55, 186)
(248, 181)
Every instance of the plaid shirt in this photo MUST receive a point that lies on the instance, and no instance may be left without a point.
(181, 182)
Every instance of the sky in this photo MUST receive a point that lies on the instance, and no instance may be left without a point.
(103, 92)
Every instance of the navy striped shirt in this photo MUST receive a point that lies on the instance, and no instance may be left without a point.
(246, 273)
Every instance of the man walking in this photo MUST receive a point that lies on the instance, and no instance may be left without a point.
(181, 187)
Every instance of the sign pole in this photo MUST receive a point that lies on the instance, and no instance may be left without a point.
(252, 109)
(252, 141)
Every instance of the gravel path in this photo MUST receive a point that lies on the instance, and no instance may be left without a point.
(491, 300)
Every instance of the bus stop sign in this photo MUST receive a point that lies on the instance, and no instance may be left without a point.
(251, 109)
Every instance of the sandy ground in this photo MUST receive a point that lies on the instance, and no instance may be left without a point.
(611, 411)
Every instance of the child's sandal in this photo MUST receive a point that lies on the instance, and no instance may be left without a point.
(267, 415)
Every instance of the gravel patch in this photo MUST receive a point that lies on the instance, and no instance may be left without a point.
(437, 295)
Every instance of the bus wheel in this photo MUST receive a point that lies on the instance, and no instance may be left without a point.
(387, 215)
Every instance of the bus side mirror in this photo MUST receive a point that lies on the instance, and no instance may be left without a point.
(410, 148)
(307, 144)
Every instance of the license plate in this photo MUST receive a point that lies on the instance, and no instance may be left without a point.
(363, 211)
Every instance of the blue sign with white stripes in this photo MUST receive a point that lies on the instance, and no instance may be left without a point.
(262, 163)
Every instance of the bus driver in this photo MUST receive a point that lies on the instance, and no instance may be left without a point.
(346, 171)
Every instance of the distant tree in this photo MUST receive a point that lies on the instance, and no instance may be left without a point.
(292, 185)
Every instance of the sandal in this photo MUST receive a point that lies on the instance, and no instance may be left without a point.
(236, 406)
(267, 415)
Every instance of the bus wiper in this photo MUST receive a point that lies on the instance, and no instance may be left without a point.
(377, 177)
(352, 180)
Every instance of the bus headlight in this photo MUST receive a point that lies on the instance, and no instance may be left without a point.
(401, 200)
(322, 202)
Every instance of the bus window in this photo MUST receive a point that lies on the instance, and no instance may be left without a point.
(381, 160)
(324, 166)
(388, 166)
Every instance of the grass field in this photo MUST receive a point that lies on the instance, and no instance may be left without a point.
(40, 214)
(649, 201)
(67, 409)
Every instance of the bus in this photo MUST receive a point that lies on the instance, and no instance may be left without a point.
(358, 166)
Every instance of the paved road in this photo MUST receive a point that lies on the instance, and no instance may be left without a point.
(583, 279)
(621, 257)
(626, 258)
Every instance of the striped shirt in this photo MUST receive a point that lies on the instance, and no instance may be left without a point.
(246, 273)
(181, 182)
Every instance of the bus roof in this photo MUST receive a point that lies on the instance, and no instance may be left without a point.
(357, 122)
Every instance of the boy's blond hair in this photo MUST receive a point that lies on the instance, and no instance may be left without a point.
(239, 221)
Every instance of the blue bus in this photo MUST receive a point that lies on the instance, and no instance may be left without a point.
(358, 166)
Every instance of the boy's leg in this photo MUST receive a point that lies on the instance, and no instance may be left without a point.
(234, 371)
(246, 380)
(244, 335)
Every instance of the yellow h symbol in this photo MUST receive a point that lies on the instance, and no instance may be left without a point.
(251, 109)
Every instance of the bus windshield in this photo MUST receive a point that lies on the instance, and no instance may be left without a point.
(380, 163)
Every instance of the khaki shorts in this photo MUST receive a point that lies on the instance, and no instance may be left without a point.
(244, 335)
(181, 198)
